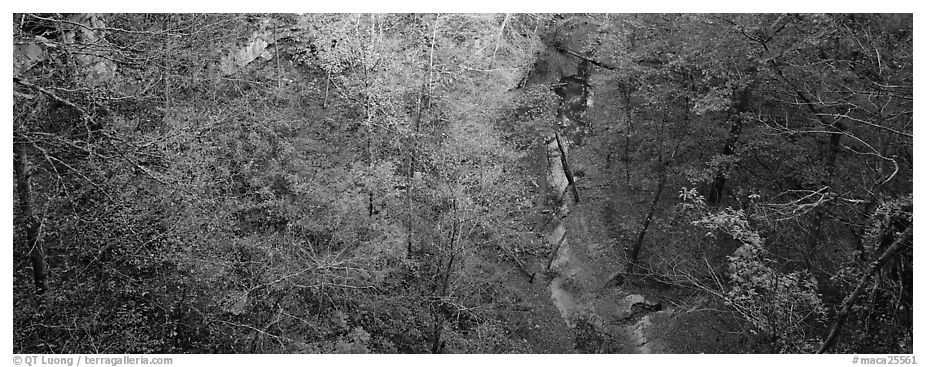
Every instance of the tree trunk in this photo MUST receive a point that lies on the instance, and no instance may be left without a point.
(905, 239)
(455, 233)
(370, 204)
(580, 56)
(628, 114)
(715, 193)
(412, 157)
(569, 177)
(436, 337)
(24, 191)
(166, 74)
(638, 244)
(424, 101)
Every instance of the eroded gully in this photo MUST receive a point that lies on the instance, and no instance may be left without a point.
(579, 286)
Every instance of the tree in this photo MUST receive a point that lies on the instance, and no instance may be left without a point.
(353, 183)
(792, 104)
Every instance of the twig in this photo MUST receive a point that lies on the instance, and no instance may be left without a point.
(846, 116)
(52, 95)
(113, 29)
(498, 40)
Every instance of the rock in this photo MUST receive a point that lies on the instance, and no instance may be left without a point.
(615, 280)
(647, 305)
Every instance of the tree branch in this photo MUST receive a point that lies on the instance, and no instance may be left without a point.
(566, 170)
(905, 239)
(52, 95)
(572, 53)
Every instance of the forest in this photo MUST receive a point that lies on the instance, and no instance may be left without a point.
(462, 183)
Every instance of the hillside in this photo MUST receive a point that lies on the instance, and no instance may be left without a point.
(462, 183)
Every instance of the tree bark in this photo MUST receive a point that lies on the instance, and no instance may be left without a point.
(412, 157)
(638, 244)
(455, 233)
(436, 338)
(166, 72)
(24, 193)
(625, 91)
(905, 239)
(423, 98)
(572, 53)
(715, 193)
(569, 177)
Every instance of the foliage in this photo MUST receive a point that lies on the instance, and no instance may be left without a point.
(778, 304)
(346, 183)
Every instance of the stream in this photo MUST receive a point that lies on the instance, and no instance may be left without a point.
(575, 289)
